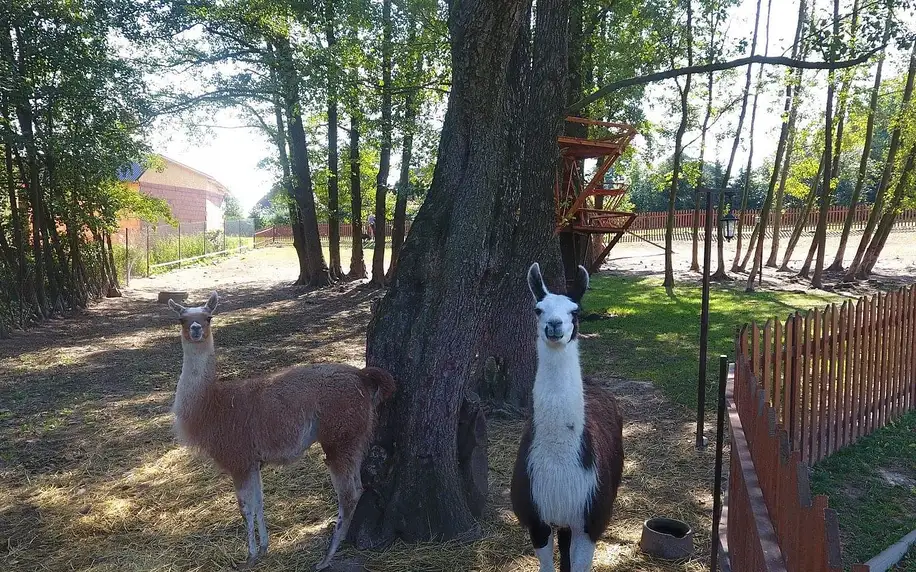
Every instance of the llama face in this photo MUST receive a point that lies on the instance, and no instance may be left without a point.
(558, 315)
(195, 322)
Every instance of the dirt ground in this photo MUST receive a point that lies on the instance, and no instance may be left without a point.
(895, 267)
(91, 477)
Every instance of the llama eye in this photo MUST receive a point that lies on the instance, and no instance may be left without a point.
(538, 311)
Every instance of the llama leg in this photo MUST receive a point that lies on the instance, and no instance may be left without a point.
(349, 488)
(542, 539)
(250, 497)
(582, 551)
(263, 537)
(564, 538)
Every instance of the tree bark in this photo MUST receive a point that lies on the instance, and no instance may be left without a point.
(333, 171)
(853, 272)
(357, 262)
(384, 166)
(676, 168)
(426, 475)
(299, 163)
(837, 264)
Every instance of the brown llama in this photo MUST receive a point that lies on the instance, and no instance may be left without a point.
(570, 459)
(275, 418)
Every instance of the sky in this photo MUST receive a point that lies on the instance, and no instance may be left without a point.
(230, 152)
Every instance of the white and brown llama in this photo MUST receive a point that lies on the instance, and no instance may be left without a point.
(570, 458)
(243, 424)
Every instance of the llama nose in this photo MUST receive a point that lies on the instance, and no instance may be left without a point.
(554, 328)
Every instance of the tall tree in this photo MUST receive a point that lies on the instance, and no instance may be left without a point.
(381, 184)
(490, 206)
(720, 273)
(357, 262)
(333, 78)
(678, 151)
(837, 264)
(794, 88)
(827, 189)
(856, 268)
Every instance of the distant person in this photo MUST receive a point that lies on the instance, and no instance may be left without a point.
(371, 222)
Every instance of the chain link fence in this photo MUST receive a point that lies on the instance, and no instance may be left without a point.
(153, 248)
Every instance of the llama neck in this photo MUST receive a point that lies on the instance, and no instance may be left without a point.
(559, 401)
(198, 370)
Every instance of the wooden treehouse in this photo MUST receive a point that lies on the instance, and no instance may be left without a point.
(589, 219)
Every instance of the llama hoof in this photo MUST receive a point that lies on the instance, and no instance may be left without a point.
(321, 565)
(248, 564)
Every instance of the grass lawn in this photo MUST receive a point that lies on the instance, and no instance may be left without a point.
(872, 486)
(645, 335)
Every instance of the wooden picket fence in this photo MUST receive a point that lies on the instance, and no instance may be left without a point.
(810, 386)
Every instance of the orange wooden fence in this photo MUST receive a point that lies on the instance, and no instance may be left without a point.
(836, 374)
(804, 389)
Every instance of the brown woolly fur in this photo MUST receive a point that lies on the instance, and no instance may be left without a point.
(604, 428)
(243, 422)
(274, 419)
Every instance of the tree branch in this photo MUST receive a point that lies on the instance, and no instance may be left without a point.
(719, 66)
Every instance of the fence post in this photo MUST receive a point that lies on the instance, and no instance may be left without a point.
(717, 485)
(225, 241)
(205, 238)
(147, 250)
(238, 233)
(179, 244)
(127, 257)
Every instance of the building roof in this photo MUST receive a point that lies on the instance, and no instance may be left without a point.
(222, 188)
(134, 171)
(130, 173)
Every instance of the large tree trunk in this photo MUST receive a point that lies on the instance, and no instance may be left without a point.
(676, 168)
(384, 165)
(333, 171)
(464, 257)
(299, 163)
(357, 262)
(837, 264)
(877, 210)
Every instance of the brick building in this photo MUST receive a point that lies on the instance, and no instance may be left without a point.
(193, 196)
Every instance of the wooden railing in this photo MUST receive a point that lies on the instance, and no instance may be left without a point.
(803, 389)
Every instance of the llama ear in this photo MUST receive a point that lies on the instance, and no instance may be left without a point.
(176, 307)
(536, 282)
(580, 286)
(213, 302)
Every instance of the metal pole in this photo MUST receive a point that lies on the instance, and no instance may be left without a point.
(147, 251)
(127, 257)
(717, 485)
(179, 245)
(704, 324)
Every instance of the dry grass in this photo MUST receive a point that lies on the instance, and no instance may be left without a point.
(90, 477)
